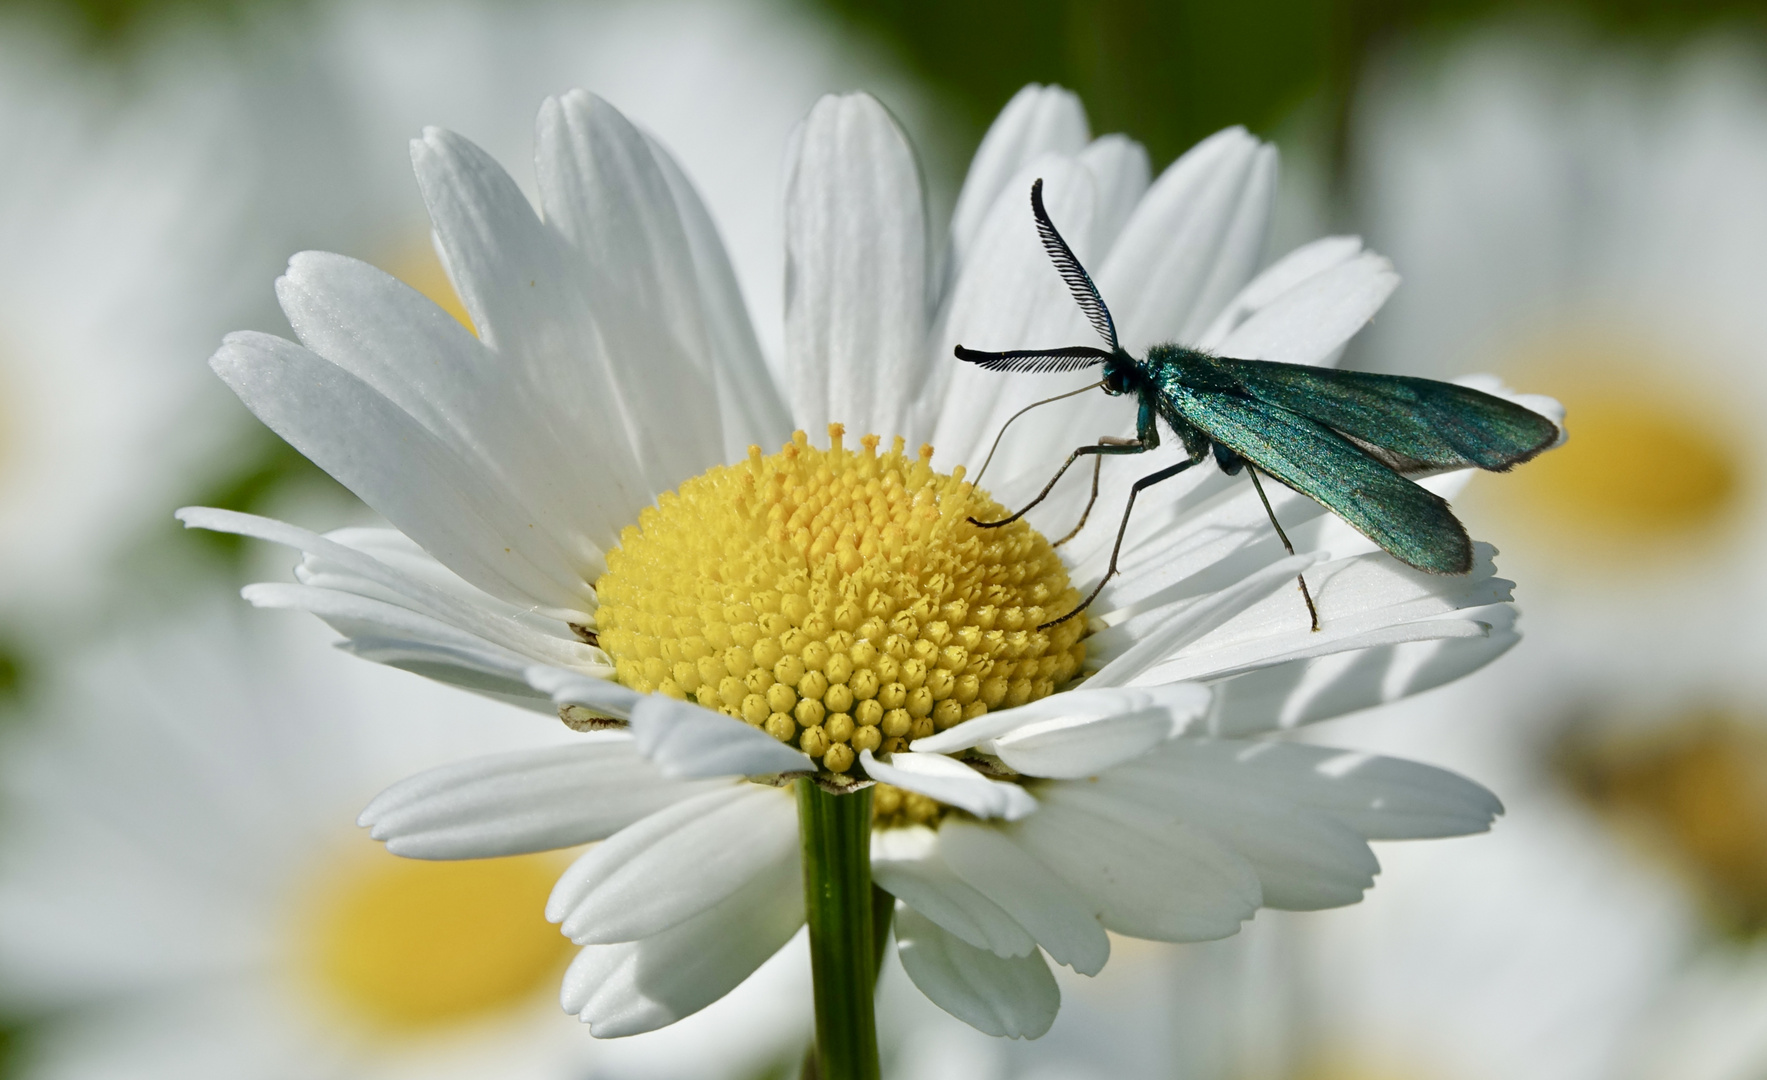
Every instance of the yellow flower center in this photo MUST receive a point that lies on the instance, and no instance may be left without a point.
(403, 945)
(1694, 791)
(1649, 466)
(840, 600)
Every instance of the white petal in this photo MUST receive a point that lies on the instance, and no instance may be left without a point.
(424, 362)
(1164, 880)
(1371, 600)
(639, 986)
(1317, 688)
(855, 270)
(444, 502)
(1037, 898)
(354, 616)
(1304, 859)
(393, 550)
(1068, 749)
(530, 296)
(1119, 165)
(1386, 798)
(490, 239)
(482, 670)
(950, 781)
(1038, 120)
(1310, 322)
(906, 863)
(688, 741)
(402, 638)
(676, 863)
(574, 688)
(1380, 798)
(1058, 733)
(754, 411)
(1193, 241)
(602, 190)
(531, 800)
(1171, 629)
(480, 621)
(1016, 997)
(1284, 274)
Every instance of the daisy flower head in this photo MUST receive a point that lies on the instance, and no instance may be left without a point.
(589, 517)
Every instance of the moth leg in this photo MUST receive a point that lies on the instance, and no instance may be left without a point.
(1122, 528)
(1125, 446)
(1280, 535)
(1097, 466)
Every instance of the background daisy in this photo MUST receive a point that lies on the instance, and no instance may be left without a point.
(119, 211)
(337, 93)
(183, 894)
(1588, 220)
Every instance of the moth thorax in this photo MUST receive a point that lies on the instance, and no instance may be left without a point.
(841, 600)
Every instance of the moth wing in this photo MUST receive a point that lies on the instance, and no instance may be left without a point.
(1408, 423)
(1410, 522)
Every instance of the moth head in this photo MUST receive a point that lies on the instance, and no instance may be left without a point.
(1118, 378)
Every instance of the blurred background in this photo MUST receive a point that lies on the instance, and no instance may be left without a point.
(1574, 193)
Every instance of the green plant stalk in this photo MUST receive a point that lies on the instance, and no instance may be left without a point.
(835, 833)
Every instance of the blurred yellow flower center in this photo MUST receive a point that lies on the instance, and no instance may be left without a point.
(407, 945)
(1646, 466)
(1695, 791)
(838, 599)
(421, 268)
(1335, 1068)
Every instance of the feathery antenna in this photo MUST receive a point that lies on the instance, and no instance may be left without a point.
(1079, 281)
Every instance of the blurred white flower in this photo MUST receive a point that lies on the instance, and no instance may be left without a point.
(1538, 952)
(1592, 223)
(1712, 1024)
(335, 95)
(614, 361)
(182, 895)
(117, 203)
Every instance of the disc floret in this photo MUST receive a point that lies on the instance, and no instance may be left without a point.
(838, 599)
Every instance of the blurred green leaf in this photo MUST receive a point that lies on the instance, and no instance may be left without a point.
(269, 471)
(1171, 72)
(114, 24)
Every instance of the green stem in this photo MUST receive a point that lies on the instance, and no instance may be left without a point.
(835, 831)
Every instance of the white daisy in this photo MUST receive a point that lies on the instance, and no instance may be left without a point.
(579, 528)
(1579, 219)
(332, 101)
(182, 895)
(115, 262)
(1593, 224)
